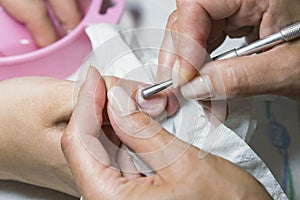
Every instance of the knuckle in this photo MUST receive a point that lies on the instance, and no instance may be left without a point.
(235, 78)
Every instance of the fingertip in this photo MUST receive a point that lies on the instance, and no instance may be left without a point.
(68, 24)
(167, 55)
(130, 124)
(191, 58)
(92, 74)
(173, 103)
(243, 76)
(198, 89)
(91, 83)
(218, 78)
(39, 24)
(153, 106)
(90, 104)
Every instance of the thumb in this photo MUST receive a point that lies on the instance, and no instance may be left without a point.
(89, 164)
(264, 73)
(141, 133)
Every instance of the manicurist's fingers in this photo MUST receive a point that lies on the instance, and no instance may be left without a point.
(208, 22)
(193, 24)
(154, 106)
(141, 133)
(167, 55)
(249, 75)
(87, 168)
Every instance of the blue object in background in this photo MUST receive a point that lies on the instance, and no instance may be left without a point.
(279, 137)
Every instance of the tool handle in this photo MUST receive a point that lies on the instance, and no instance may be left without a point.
(286, 34)
(291, 32)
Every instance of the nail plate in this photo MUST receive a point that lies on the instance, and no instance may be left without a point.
(120, 101)
(154, 106)
(199, 88)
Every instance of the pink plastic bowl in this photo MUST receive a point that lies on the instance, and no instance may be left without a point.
(59, 59)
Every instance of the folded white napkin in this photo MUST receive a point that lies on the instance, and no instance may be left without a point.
(218, 140)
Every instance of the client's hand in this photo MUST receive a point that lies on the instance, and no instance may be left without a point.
(179, 173)
(34, 15)
(33, 114)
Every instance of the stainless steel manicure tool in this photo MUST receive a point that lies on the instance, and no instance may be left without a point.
(286, 34)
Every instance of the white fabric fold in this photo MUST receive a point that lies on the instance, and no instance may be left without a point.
(218, 140)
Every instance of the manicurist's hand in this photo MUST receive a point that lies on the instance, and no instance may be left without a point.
(35, 16)
(207, 23)
(178, 171)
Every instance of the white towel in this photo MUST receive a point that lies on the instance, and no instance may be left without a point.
(221, 141)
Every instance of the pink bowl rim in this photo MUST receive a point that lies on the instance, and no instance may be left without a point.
(62, 42)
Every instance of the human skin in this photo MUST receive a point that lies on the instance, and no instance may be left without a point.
(212, 177)
(33, 114)
(34, 111)
(208, 22)
(34, 15)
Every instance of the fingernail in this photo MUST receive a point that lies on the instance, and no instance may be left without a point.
(153, 106)
(120, 101)
(90, 78)
(175, 74)
(199, 88)
(122, 105)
